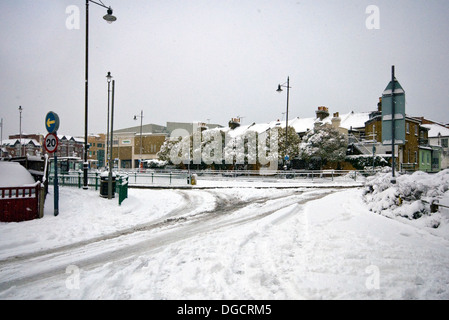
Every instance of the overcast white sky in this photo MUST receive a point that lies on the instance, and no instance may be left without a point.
(194, 60)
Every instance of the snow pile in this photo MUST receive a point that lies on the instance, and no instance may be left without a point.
(410, 197)
(12, 174)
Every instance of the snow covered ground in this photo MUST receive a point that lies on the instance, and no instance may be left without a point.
(232, 243)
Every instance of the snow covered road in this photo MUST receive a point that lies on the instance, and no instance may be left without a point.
(220, 244)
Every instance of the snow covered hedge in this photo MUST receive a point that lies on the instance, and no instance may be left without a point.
(410, 197)
(365, 162)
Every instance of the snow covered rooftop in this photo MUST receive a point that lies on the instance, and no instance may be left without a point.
(354, 120)
(12, 142)
(348, 121)
(435, 129)
(301, 125)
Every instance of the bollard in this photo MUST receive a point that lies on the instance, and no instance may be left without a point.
(96, 180)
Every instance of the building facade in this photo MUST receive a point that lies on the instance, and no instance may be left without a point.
(417, 153)
(129, 149)
(97, 152)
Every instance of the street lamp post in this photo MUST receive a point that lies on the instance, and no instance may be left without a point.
(109, 18)
(109, 78)
(20, 130)
(1, 138)
(111, 162)
(141, 118)
(285, 85)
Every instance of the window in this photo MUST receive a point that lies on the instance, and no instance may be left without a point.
(444, 142)
(407, 127)
(416, 157)
(416, 131)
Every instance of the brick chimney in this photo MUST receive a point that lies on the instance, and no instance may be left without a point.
(234, 123)
(322, 113)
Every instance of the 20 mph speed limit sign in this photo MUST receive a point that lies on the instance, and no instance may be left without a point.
(51, 143)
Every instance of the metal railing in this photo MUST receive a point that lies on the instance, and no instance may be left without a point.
(180, 177)
(161, 177)
(75, 179)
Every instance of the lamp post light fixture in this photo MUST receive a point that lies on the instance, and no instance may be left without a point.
(141, 118)
(109, 79)
(279, 89)
(20, 130)
(109, 18)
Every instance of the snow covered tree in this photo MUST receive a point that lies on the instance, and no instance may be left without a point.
(324, 143)
(164, 152)
(176, 150)
(293, 141)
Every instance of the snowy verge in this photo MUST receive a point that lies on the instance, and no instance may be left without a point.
(410, 198)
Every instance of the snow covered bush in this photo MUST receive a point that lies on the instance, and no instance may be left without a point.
(325, 143)
(365, 162)
(410, 197)
(156, 164)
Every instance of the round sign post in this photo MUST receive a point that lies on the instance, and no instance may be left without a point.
(52, 122)
(51, 143)
(51, 146)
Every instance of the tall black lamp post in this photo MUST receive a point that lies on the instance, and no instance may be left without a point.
(111, 162)
(109, 78)
(109, 18)
(285, 85)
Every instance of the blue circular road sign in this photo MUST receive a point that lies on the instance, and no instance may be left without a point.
(52, 122)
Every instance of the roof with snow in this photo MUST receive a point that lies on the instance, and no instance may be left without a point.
(435, 129)
(12, 142)
(351, 120)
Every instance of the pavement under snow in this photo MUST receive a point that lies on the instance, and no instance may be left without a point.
(231, 243)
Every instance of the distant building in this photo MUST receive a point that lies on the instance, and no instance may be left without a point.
(30, 144)
(96, 154)
(438, 136)
(130, 147)
(189, 126)
(70, 146)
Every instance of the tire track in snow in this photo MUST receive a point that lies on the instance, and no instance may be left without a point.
(144, 238)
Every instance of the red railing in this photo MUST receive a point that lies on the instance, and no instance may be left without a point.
(19, 203)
